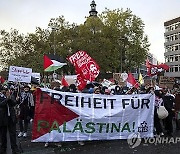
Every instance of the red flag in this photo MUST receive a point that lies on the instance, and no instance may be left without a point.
(64, 82)
(155, 69)
(164, 66)
(81, 82)
(148, 64)
(86, 68)
(85, 64)
(2, 80)
(131, 82)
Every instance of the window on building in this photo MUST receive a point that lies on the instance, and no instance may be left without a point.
(166, 59)
(176, 36)
(171, 58)
(167, 38)
(176, 26)
(176, 47)
(176, 57)
(172, 27)
(176, 68)
(166, 48)
(167, 28)
(172, 38)
(170, 48)
(171, 69)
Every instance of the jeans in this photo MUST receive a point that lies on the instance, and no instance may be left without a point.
(23, 124)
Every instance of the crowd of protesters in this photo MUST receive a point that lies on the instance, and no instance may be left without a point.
(169, 98)
(17, 104)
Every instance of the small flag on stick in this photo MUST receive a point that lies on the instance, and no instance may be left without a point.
(131, 82)
(64, 82)
(141, 80)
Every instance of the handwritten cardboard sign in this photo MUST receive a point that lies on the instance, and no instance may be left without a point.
(19, 74)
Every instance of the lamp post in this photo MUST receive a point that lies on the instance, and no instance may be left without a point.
(122, 40)
(53, 25)
(121, 60)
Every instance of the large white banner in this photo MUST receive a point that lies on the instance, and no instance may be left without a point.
(64, 116)
(19, 74)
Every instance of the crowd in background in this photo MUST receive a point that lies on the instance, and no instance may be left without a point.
(17, 101)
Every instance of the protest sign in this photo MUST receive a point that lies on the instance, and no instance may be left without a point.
(71, 79)
(65, 116)
(118, 77)
(19, 74)
(166, 80)
(106, 83)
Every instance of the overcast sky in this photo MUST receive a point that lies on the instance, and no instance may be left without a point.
(26, 15)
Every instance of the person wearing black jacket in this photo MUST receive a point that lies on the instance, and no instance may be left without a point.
(7, 120)
(25, 103)
(168, 100)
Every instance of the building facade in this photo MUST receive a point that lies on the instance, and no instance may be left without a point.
(172, 47)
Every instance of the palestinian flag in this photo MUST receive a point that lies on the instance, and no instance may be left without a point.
(53, 62)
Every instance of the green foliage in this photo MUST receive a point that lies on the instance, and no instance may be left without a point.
(113, 39)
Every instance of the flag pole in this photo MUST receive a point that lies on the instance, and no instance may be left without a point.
(135, 84)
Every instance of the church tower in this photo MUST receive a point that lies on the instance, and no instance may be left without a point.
(93, 11)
